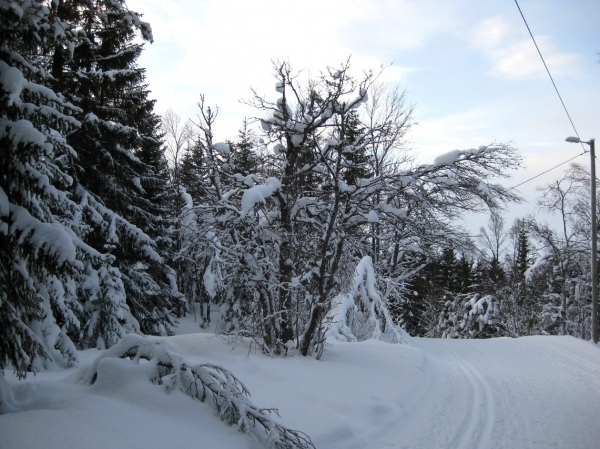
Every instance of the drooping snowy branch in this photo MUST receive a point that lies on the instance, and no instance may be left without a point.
(199, 381)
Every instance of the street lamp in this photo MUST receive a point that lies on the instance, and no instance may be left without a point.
(594, 236)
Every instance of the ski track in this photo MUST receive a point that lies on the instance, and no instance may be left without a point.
(479, 394)
(575, 360)
(476, 431)
(528, 393)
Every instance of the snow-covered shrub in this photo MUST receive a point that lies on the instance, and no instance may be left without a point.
(362, 313)
(286, 238)
(471, 316)
(200, 381)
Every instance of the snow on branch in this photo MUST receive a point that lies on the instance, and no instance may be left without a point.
(230, 396)
(51, 239)
(258, 194)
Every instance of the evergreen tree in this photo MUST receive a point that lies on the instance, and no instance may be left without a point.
(522, 258)
(472, 315)
(120, 157)
(358, 162)
(192, 173)
(243, 152)
(49, 275)
(39, 261)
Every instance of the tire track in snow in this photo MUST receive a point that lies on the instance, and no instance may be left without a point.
(476, 431)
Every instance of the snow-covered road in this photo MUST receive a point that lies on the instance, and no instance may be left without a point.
(534, 392)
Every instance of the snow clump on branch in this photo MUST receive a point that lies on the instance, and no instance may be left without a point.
(258, 194)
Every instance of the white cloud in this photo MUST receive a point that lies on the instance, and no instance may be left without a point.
(455, 131)
(223, 48)
(517, 58)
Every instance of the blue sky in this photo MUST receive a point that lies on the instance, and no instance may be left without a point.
(469, 67)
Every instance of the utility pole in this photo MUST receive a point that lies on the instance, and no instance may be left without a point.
(594, 273)
(594, 245)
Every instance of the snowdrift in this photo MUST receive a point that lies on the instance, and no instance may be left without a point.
(504, 393)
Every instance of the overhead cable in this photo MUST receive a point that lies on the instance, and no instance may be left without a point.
(550, 169)
(547, 70)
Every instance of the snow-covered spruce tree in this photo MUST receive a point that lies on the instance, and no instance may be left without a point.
(192, 171)
(37, 255)
(121, 180)
(471, 315)
(446, 276)
(244, 157)
(519, 297)
(45, 268)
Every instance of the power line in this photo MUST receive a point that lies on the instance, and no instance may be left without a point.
(550, 169)
(547, 70)
(559, 97)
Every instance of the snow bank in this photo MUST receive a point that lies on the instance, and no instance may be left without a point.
(525, 392)
(7, 398)
(161, 365)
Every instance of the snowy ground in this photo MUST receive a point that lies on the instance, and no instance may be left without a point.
(535, 392)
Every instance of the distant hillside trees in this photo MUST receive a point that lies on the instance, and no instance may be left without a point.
(542, 284)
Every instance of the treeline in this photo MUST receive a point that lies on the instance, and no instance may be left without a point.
(529, 279)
